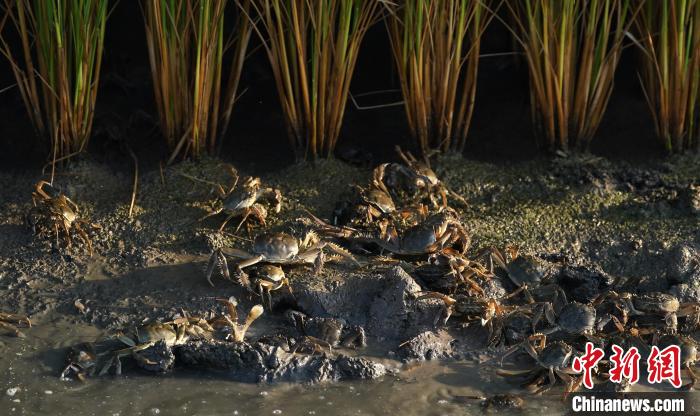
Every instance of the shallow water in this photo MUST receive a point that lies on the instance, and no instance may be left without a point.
(32, 365)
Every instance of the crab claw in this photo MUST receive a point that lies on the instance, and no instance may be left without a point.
(253, 314)
(240, 330)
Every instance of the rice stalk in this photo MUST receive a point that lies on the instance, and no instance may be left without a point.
(669, 33)
(186, 46)
(572, 49)
(436, 45)
(57, 66)
(312, 46)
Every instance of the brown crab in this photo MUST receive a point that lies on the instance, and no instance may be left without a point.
(242, 201)
(648, 311)
(552, 361)
(489, 312)
(367, 205)
(437, 232)
(54, 212)
(276, 248)
(172, 333)
(415, 180)
(521, 269)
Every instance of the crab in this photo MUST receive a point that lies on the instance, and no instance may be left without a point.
(415, 181)
(448, 270)
(552, 362)
(304, 344)
(53, 213)
(242, 201)
(435, 233)
(172, 333)
(11, 321)
(662, 305)
(366, 204)
(489, 312)
(267, 279)
(613, 312)
(311, 346)
(332, 331)
(464, 270)
(574, 319)
(517, 327)
(649, 310)
(276, 248)
(520, 269)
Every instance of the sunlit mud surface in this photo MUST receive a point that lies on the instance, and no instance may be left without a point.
(32, 366)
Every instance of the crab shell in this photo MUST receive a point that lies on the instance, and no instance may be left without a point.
(526, 269)
(657, 303)
(277, 247)
(417, 238)
(517, 327)
(577, 318)
(555, 355)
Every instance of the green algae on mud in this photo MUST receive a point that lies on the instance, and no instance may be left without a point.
(562, 205)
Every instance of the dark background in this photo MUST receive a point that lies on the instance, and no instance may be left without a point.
(501, 128)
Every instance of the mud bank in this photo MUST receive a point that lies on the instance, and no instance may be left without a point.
(599, 223)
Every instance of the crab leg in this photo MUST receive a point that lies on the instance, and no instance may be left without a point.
(342, 252)
(228, 218)
(211, 214)
(529, 348)
(217, 258)
(250, 261)
(447, 305)
(234, 174)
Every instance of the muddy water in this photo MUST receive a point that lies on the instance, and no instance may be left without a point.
(32, 365)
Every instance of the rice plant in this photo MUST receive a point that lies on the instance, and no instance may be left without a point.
(572, 48)
(669, 33)
(57, 66)
(313, 46)
(186, 46)
(436, 46)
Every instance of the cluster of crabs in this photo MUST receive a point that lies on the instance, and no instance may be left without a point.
(524, 305)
